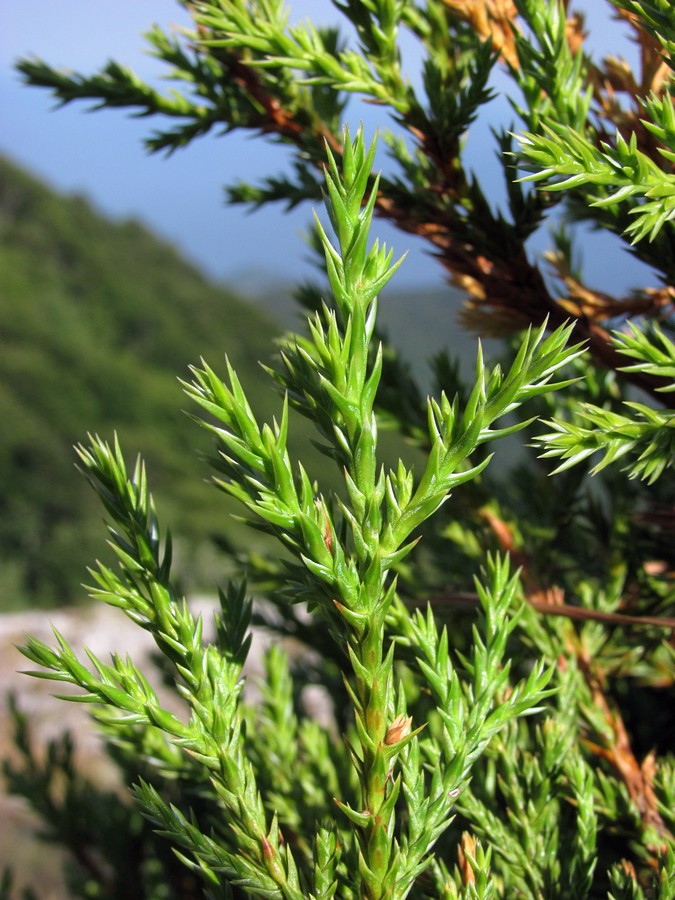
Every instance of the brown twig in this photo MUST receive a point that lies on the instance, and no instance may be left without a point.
(619, 754)
(468, 600)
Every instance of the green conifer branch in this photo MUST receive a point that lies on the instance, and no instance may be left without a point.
(208, 679)
(443, 784)
(646, 439)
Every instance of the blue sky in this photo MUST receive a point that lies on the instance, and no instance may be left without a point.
(101, 154)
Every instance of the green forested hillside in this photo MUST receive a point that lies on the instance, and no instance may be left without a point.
(86, 308)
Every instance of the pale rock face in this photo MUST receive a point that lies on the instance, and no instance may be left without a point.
(100, 628)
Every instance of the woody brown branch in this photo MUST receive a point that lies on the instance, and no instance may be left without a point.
(468, 600)
(504, 293)
(637, 778)
(277, 119)
(271, 115)
(618, 753)
(510, 293)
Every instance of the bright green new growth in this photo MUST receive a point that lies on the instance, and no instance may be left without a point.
(648, 439)
(403, 775)
(566, 160)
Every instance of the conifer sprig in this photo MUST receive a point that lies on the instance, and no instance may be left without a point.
(208, 678)
(564, 160)
(645, 440)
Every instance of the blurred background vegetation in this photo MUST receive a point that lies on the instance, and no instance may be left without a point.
(98, 320)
